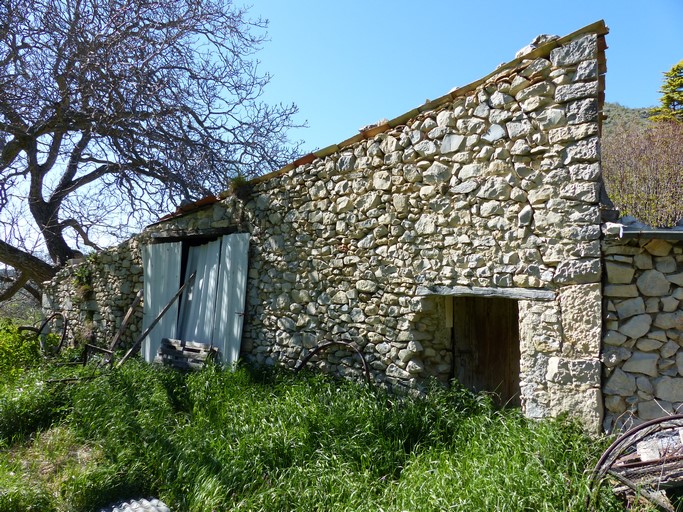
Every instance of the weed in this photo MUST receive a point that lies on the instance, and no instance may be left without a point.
(267, 439)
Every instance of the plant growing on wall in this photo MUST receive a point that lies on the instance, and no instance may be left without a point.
(241, 188)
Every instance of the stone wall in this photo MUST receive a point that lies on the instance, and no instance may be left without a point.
(642, 354)
(94, 294)
(491, 190)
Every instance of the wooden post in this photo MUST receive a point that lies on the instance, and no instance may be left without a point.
(126, 319)
(136, 345)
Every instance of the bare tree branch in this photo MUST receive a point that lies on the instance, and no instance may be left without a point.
(131, 106)
(16, 285)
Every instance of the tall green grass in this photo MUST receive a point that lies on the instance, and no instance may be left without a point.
(272, 440)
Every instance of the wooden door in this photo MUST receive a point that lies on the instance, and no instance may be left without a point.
(486, 346)
(231, 295)
(161, 273)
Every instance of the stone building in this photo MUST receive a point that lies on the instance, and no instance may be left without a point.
(463, 239)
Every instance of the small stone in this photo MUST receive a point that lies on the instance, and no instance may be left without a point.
(582, 111)
(437, 173)
(525, 216)
(500, 100)
(648, 344)
(426, 148)
(643, 261)
(614, 338)
(414, 366)
(653, 283)
(620, 290)
(665, 264)
(550, 118)
(571, 92)
(381, 180)
(581, 151)
(620, 383)
(669, 304)
(642, 362)
(636, 327)
(366, 286)
(517, 129)
(630, 307)
(669, 320)
(346, 162)
(470, 171)
(579, 271)
(653, 409)
(452, 143)
(669, 388)
(658, 247)
(465, 187)
(645, 385)
(615, 404)
(587, 70)
(618, 273)
(397, 372)
(581, 49)
(676, 279)
(613, 357)
(494, 133)
(669, 349)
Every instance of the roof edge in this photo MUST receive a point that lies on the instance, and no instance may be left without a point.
(599, 28)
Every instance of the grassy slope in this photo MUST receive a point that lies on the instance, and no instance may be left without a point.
(270, 440)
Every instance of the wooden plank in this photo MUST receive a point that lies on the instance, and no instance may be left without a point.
(136, 345)
(161, 266)
(476, 291)
(184, 354)
(656, 497)
(231, 296)
(126, 319)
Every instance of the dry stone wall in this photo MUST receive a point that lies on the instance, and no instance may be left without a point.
(497, 190)
(642, 354)
(493, 189)
(95, 294)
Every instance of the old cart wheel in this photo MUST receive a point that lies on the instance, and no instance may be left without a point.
(645, 461)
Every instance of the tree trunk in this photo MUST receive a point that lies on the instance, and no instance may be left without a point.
(32, 267)
(46, 216)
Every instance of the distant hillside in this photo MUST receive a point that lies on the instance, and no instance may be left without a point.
(618, 114)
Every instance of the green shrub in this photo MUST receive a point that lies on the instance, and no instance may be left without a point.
(17, 351)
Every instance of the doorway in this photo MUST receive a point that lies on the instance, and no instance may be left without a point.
(485, 342)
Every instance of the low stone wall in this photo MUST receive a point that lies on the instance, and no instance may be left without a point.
(95, 294)
(642, 351)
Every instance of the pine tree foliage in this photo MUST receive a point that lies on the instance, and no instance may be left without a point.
(671, 102)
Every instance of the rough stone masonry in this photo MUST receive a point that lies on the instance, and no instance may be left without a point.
(490, 191)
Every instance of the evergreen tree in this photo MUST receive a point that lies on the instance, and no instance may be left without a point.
(671, 108)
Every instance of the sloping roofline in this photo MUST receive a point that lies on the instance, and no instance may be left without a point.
(598, 28)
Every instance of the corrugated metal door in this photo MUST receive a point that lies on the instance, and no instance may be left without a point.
(231, 295)
(161, 267)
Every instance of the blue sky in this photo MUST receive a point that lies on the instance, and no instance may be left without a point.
(350, 63)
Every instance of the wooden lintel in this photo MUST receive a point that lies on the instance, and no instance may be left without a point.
(476, 291)
(199, 235)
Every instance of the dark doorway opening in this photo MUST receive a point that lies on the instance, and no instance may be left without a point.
(486, 346)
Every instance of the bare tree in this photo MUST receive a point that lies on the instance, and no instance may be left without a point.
(111, 110)
(643, 170)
